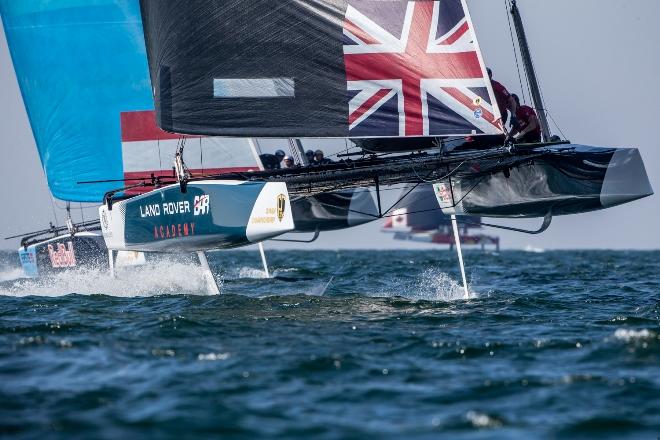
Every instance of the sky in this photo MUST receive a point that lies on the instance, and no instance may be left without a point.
(598, 65)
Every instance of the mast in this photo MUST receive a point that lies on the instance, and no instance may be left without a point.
(529, 69)
(298, 152)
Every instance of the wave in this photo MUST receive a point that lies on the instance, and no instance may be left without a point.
(482, 420)
(627, 335)
(436, 285)
(162, 278)
(533, 250)
(247, 272)
(431, 285)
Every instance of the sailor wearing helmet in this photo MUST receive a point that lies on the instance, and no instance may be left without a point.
(320, 159)
(289, 162)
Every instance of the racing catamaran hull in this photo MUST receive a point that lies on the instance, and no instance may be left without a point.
(209, 215)
(63, 252)
(568, 179)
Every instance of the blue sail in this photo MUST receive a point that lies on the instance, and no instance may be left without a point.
(79, 64)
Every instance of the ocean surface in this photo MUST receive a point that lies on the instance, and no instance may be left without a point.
(339, 345)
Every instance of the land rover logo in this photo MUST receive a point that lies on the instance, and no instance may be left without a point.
(281, 206)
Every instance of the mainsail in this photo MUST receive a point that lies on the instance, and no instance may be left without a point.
(318, 68)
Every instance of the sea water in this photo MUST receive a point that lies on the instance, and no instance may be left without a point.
(348, 344)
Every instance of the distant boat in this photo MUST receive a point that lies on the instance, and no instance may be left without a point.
(422, 221)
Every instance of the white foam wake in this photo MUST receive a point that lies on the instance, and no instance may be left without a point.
(162, 278)
(436, 285)
(432, 285)
(628, 335)
(533, 250)
(251, 272)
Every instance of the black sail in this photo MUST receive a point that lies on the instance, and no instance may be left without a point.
(317, 68)
(192, 42)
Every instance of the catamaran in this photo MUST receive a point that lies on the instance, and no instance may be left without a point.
(402, 80)
(421, 222)
(82, 71)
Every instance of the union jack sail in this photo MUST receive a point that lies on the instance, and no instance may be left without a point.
(413, 69)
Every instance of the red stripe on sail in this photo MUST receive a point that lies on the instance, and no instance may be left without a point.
(453, 38)
(358, 32)
(369, 103)
(141, 126)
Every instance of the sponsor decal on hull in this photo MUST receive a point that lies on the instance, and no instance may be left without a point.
(202, 204)
(281, 206)
(209, 215)
(62, 257)
(174, 230)
(29, 261)
(272, 215)
(201, 207)
(28, 257)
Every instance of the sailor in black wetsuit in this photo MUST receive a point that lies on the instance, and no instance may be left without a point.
(272, 161)
(310, 156)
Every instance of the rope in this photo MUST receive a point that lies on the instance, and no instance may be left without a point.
(52, 205)
(556, 125)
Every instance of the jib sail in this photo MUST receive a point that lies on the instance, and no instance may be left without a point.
(79, 63)
(318, 68)
(82, 70)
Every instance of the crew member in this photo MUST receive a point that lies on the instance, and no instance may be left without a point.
(504, 100)
(310, 157)
(272, 161)
(527, 129)
(319, 158)
(289, 163)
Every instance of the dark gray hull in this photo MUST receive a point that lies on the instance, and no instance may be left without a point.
(334, 211)
(570, 179)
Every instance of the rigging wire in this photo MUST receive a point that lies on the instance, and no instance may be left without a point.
(388, 214)
(63, 208)
(160, 160)
(556, 125)
(515, 51)
(201, 154)
(52, 205)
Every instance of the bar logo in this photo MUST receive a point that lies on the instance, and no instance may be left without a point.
(201, 205)
(62, 257)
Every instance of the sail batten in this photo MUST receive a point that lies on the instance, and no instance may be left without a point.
(318, 68)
